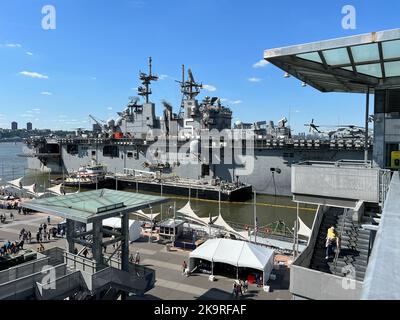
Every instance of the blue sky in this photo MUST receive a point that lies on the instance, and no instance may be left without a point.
(89, 64)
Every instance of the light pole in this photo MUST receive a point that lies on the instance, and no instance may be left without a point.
(151, 223)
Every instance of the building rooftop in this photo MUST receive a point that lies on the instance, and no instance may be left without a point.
(350, 64)
(91, 205)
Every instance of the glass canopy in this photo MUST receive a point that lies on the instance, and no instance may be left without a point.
(350, 64)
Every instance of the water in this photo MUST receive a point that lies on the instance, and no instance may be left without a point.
(269, 209)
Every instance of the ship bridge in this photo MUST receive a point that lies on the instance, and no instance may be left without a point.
(353, 197)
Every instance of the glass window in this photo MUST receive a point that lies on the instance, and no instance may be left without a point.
(348, 68)
(312, 56)
(371, 69)
(366, 52)
(391, 49)
(336, 56)
(392, 69)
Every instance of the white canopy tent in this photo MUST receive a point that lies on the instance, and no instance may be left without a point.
(220, 222)
(17, 183)
(240, 254)
(189, 214)
(56, 190)
(303, 229)
(115, 223)
(147, 216)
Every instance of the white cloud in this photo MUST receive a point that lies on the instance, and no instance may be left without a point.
(29, 53)
(109, 108)
(163, 76)
(93, 78)
(33, 75)
(37, 119)
(224, 99)
(261, 64)
(134, 89)
(12, 45)
(46, 93)
(237, 102)
(62, 116)
(254, 79)
(29, 111)
(27, 115)
(209, 87)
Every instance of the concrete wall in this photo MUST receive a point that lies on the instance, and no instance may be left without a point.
(312, 284)
(382, 279)
(336, 182)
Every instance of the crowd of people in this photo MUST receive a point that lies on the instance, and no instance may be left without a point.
(239, 287)
(11, 247)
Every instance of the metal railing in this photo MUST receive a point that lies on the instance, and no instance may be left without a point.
(339, 242)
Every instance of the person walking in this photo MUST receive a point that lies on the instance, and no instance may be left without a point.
(184, 267)
(137, 257)
(332, 242)
(48, 220)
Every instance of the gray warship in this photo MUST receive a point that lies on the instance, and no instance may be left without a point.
(196, 149)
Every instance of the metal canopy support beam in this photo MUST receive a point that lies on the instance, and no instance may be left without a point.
(366, 127)
(125, 243)
(70, 235)
(97, 243)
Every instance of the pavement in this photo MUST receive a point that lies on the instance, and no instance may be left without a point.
(170, 283)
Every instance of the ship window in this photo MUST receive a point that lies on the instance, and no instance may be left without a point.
(72, 148)
(111, 151)
(93, 153)
(205, 170)
(130, 154)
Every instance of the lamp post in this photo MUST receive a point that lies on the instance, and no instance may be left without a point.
(151, 224)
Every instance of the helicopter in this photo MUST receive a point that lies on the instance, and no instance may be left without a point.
(340, 132)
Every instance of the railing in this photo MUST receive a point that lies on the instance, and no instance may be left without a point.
(23, 288)
(23, 270)
(61, 287)
(341, 237)
(80, 263)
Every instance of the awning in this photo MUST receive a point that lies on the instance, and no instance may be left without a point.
(350, 64)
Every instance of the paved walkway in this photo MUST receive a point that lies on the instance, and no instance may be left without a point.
(170, 283)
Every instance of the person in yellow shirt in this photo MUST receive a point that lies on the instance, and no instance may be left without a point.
(332, 242)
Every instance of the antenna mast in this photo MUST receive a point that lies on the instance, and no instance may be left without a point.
(146, 81)
(190, 88)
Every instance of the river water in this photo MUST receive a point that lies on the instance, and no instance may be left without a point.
(269, 209)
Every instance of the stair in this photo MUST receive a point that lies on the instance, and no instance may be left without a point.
(354, 251)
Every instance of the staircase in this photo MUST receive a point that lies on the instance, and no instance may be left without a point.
(354, 251)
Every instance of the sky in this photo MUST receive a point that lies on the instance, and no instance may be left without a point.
(89, 63)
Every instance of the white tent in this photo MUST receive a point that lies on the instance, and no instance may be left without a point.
(303, 229)
(240, 254)
(147, 216)
(31, 188)
(222, 223)
(189, 214)
(56, 190)
(16, 183)
(134, 227)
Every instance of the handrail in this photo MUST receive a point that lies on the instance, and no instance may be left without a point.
(341, 234)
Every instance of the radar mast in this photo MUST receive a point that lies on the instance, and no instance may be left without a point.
(146, 79)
